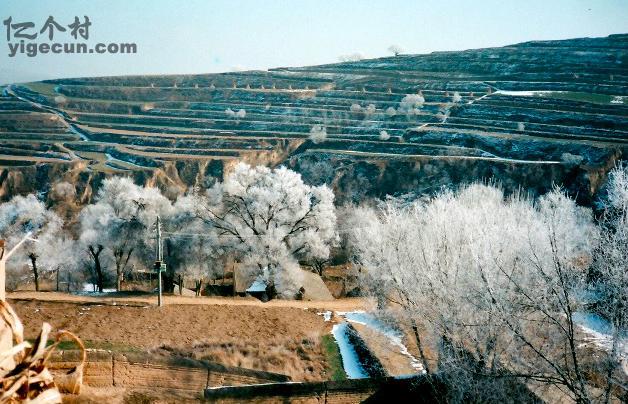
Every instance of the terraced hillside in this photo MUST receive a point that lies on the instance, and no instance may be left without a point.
(528, 115)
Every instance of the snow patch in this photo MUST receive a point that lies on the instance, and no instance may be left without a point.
(527, 93)
(350, 361)
(111, 158)
(326, 315)
(600, 332)
(90, 289)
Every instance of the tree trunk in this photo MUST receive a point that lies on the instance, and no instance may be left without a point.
(118, 255)
(198, 288)
(33, 258)
(271, 291)
(99, 276)
(121, 263)
(420, 346)
(180, 285)
(118, 280)
(611, 361)
(96, 257)
(235, 290)
(57, 279)
(169, 276)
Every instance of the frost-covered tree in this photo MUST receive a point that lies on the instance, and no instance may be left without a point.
(609, 275)
(318, 134)
(496, 279)
(271, 220)
(63, 192)
(120, 224)
(571, 159)
(444, 111)
(411, 104)
(60, 100)
(193, 248)
(28, 214)
(237, 115)
(351, 57)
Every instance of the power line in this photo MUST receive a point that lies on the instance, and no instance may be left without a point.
(233, 235)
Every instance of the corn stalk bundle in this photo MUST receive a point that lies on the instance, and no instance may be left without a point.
(23, 372)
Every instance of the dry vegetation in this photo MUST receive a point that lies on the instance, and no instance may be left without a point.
(301, 359)
(238, 332)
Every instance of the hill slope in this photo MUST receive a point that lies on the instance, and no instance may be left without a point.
(529, 115)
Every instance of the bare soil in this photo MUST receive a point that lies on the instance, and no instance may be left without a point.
(346, 304)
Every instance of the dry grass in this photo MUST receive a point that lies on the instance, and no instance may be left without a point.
(301, 359)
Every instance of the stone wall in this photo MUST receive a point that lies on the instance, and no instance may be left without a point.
(418, 389)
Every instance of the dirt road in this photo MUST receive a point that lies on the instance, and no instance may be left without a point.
(347, 304)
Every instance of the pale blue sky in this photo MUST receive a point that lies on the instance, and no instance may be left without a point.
(216, 35)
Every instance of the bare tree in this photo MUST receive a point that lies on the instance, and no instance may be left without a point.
(395, 49)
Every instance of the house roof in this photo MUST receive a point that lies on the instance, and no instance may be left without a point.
(258, 285)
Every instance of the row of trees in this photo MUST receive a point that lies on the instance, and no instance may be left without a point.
(495, 283)
(268, 220)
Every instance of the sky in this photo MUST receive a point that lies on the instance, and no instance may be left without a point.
(225, 35)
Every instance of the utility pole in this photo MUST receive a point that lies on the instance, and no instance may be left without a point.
(159, 262)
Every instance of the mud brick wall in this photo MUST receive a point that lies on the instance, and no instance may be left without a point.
(351, 391)
(145, 371)
(342, 392)
(98, 371)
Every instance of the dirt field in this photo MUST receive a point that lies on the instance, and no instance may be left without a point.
(278, 336)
